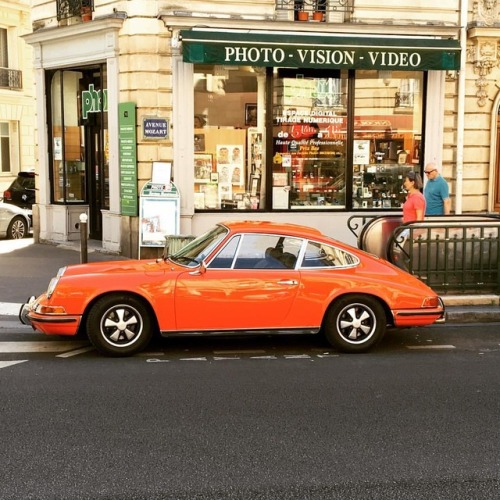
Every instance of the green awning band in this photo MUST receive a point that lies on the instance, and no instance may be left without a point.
(284, 49)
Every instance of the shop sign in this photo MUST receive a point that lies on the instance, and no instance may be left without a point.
(127, 138)
(94, 101)
(155, 128)
(321, 51)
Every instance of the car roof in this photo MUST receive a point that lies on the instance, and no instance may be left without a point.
(251, 226)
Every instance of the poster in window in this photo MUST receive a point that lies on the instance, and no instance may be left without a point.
(211, 195)
(199, 142)
(202, 167)
(223, 154)
(225, 191)
(361, 152)
(251, 115)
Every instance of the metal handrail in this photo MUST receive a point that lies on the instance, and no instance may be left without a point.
(452, 253)
(450, 256)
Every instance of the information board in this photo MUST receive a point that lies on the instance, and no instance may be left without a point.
(127, 137)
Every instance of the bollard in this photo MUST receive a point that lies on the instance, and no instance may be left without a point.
(83, 239)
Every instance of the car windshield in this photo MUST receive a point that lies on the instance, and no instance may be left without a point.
(197, 250)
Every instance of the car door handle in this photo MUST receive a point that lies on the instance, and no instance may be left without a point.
(288, 282)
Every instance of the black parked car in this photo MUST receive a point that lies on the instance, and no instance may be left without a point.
(22, 191)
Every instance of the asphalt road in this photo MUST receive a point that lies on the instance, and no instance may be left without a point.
(264, 418)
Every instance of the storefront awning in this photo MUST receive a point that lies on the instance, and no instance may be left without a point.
(318, 50)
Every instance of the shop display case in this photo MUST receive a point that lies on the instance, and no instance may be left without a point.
(379, 185)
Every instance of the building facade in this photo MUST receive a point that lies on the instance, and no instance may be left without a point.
(17, 104)
(257, 114)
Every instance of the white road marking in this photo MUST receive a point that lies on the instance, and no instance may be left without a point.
(42, 346)
(257, 351)
(297, 356)
(5, 364)
(9, 308)
(193, 359)
(263, 357)
(75, 352)
(417, 347)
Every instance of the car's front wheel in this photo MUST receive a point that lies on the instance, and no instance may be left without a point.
(119, 325)
(355, 323)
(18, 228)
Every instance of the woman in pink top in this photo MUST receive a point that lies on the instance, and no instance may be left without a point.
(414, 206)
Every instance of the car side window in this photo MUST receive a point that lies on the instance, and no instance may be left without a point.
(321, 255)
(264, 251)
(224, 259)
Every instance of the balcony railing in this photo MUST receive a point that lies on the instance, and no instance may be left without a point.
(327, 7)
(11, 79)
(70, 8)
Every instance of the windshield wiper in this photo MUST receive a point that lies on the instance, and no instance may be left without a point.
(182, 259)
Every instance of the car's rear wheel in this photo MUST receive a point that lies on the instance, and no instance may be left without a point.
(355, 323)
(18, 228)
(119, 325)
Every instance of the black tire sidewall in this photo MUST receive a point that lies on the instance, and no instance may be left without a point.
(334, 337)
(95, 317)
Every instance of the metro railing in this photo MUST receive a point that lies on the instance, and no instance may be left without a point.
(451, 254)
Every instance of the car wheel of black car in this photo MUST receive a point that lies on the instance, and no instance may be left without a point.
(18, 228)
(355, 323)
(119, 325)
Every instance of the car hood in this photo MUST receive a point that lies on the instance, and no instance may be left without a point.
(118, 267)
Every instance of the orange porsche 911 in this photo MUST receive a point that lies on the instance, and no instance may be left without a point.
(238, 278)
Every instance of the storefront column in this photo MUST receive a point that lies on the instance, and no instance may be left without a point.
(183, 125)
(434, 118)
(111, 219)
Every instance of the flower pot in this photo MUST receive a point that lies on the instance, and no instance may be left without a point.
(318, 16)
(86, 14)
(302, 16)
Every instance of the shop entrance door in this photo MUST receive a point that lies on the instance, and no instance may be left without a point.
(95, 179)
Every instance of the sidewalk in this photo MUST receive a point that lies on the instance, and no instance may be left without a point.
(26, 269)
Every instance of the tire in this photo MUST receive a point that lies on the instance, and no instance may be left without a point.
(119, 325)
(18, 228)
(355, 323)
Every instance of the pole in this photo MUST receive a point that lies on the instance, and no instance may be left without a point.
(83, 239)
(461, 109)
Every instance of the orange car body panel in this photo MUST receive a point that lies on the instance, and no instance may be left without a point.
(230, 299)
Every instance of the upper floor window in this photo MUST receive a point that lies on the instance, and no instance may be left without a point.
(4, 53)
(5, 147)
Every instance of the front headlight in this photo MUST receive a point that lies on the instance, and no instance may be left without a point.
(54, 281)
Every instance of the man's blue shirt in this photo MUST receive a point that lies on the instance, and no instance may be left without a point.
(435, 191)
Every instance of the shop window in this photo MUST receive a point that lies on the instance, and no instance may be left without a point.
(387, 136)
(5, 147)
(309, 139)
(68, 168)
(335, 139)
(228, 140)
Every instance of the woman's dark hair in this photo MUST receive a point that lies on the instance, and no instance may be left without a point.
(416, 178)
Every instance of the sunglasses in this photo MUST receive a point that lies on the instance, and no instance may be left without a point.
(427, 172)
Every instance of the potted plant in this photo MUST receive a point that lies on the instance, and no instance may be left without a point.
(319, 10)
(86, 11)
(300, 13)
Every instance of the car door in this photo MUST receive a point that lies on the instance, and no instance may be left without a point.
(243, 287)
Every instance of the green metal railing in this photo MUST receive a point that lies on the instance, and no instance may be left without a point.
(451, 254)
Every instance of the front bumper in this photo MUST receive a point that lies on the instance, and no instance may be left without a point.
(25, 310)
(50, 324)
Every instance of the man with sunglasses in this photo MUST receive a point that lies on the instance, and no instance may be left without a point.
(436, 192)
